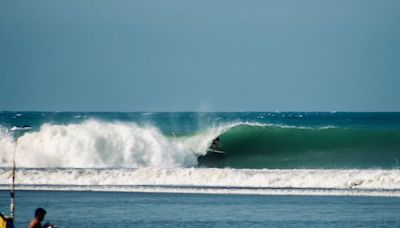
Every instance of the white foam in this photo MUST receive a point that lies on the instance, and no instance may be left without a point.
(382, 179)
(226, 191)
(222, 181)
(7, 146)
(96, 144)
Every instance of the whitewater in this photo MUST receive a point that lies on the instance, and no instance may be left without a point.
(265, 153)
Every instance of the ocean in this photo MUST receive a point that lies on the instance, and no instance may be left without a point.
(270, 161)
(127, 209)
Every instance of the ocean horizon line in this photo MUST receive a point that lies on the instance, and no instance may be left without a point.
(191, 111)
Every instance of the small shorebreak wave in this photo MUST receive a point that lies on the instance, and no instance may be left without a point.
(210, 180)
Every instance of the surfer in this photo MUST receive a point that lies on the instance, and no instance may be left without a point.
(215, 147)
(215, 144)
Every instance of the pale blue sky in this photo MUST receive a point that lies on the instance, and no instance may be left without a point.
(216, 55)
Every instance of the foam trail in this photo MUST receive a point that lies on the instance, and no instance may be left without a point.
(324, 182)
(206, 190)
(338, 179)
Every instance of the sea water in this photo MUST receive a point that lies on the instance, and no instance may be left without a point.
(126, 209)
(269, 156)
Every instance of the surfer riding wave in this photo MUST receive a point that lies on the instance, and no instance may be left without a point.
(215, 146)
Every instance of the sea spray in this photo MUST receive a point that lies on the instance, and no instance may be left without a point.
(97, 144)
(7, 147)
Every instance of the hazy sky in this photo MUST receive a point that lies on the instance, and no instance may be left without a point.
(199, 55)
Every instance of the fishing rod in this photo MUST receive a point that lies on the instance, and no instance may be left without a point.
(16, 130)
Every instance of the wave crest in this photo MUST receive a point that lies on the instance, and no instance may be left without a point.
(96, 144)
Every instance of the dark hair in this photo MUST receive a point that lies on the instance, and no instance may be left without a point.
(40, 211)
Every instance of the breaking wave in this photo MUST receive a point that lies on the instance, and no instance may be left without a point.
(288, 147)
(96, 144)
(101, 144)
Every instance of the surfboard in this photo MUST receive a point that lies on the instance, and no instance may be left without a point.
(19, 128)
(216, 151)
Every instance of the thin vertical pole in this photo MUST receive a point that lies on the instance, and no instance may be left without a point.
(12, 193)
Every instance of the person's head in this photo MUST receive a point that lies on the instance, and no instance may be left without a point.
(40, 213)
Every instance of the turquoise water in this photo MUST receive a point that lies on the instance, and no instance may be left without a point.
(292, 147)
(281, 169)
(251, 140)
(310, 153)
(108, 209)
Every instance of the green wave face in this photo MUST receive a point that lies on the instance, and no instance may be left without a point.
(248, 146)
